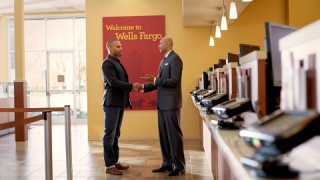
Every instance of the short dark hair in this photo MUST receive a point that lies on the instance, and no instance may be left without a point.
(110, 42)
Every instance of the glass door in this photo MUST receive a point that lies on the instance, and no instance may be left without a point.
(59, 81)
(55, 64)
(66, 85)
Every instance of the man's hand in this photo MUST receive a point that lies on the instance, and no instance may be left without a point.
(148, 77)
(137, 87)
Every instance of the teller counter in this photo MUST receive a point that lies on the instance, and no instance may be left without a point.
(224, 149)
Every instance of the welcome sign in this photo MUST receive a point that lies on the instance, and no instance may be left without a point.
(130, 35)
(139, 37)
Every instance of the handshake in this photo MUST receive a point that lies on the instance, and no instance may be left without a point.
(137, 87)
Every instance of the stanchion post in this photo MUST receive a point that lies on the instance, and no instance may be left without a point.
(48, 143)
(68, 141)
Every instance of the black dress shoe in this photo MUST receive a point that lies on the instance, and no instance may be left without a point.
(163, 169)
(177, 172)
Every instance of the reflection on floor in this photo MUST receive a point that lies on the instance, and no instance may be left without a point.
(26, 160)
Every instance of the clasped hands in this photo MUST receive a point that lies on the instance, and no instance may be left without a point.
(139, 87)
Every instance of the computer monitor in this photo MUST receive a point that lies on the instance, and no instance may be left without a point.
(247, 48)
(205, 81)
(232, 58)
(215, 66)
(274, 32)
(221, 63)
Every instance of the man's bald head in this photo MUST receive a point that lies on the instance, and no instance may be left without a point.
(165, 45)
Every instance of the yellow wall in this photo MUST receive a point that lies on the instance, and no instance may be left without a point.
(190, 43)
(302, 12)
(142, 124)
(3, 50)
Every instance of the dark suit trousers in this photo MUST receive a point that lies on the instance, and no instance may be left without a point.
(171, 137)
(112, 123)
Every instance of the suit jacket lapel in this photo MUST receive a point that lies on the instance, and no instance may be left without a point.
(163, 62)
(161, 66)
(124, 71)
(121, 67)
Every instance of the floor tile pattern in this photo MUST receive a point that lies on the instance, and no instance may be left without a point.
(26, 160)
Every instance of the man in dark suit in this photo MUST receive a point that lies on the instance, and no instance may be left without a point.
(169, 102)
(115, 99)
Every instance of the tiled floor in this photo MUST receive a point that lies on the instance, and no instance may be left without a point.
(26, 160)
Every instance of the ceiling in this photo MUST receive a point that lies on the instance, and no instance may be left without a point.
(198, 13)
(38, 6)
(195, 13)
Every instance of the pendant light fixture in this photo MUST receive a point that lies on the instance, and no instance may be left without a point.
(211, 40)
(224, 24)
(218, 32)
(246, 0)
(233, 11)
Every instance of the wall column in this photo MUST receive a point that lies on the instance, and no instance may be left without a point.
(20, 101)
(3, 50)
(20, 86)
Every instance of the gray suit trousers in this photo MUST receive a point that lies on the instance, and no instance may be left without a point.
(171, 137)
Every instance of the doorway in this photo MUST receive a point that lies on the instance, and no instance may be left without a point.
(57, 81)
(55, 64)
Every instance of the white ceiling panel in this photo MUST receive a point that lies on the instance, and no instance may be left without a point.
(195, 13)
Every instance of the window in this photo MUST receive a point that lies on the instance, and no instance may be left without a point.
(54, 47)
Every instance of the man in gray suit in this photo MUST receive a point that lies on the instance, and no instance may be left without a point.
(169, 102)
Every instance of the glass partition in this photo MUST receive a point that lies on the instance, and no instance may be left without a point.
(6, 89)
(3, 90)
(6, 101)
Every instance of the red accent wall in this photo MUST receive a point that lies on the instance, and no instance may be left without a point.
(139, 37)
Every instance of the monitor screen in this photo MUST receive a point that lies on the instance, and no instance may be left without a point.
(232, 58)
(215, 66)
(221, 63)
(274, 32)
(247, 48)
(205, 81)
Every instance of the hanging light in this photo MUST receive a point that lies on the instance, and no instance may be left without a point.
(233, 11)
(218, 32)
(224, 24)
(211, 40)
(246, 0)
